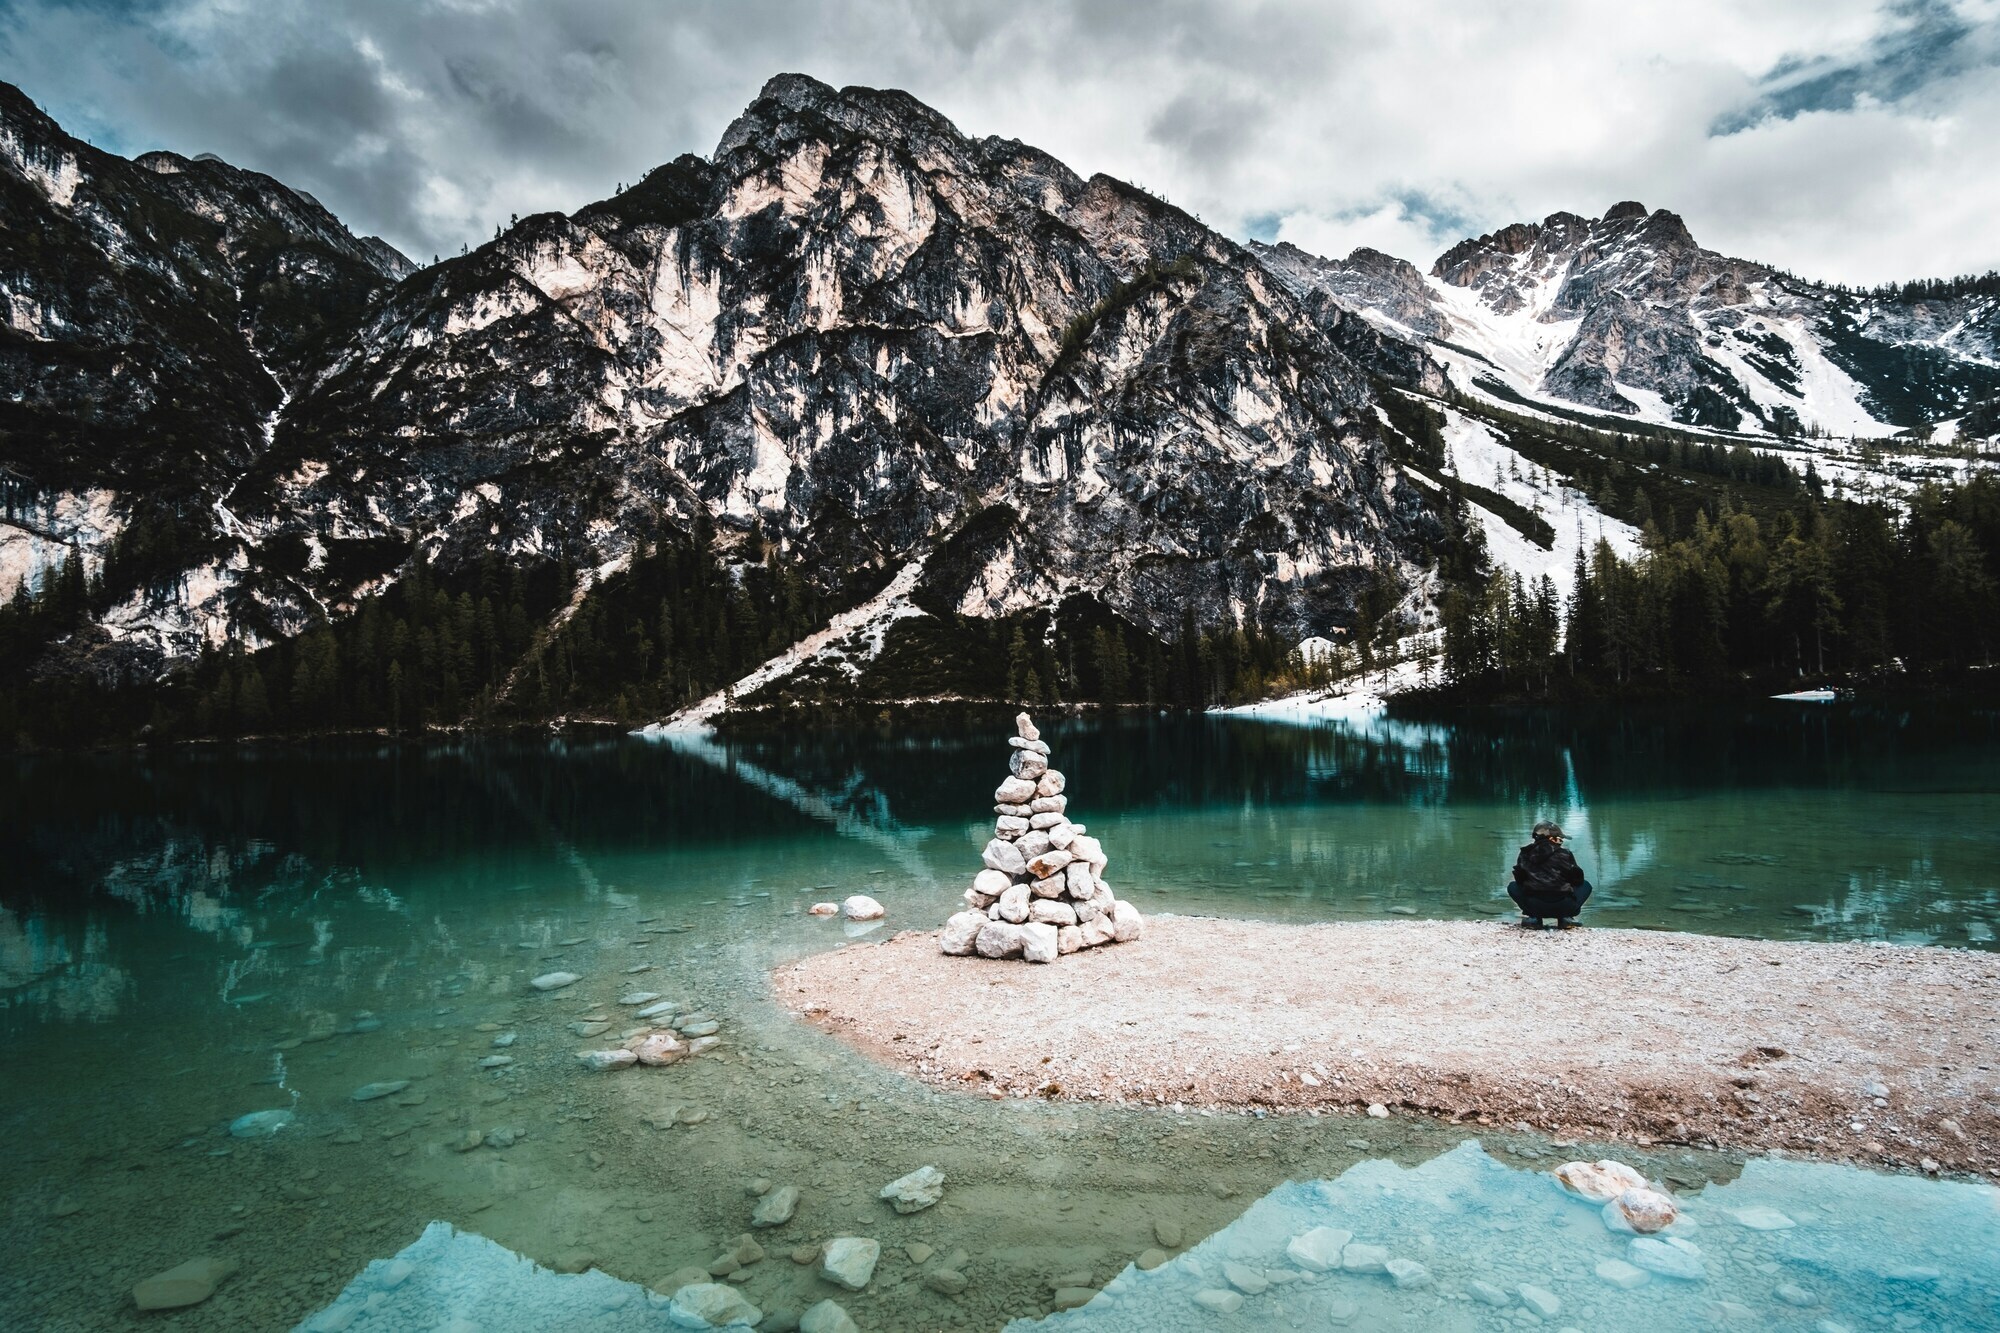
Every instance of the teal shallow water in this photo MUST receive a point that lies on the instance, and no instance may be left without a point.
(193, 935)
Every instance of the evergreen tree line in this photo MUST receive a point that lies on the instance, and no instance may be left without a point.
(1836, 590)
(432, 650)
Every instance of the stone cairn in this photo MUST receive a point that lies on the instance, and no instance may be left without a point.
(1042, 893)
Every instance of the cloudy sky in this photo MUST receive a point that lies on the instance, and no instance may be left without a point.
(1852, 140)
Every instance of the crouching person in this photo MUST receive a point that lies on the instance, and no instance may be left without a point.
(1547, 881)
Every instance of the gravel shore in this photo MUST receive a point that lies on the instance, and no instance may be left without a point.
(1875, 1053)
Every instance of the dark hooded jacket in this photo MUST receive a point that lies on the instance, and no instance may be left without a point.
(1543, 867)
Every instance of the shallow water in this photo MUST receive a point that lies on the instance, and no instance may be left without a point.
(191, 936)
(1468, 1242)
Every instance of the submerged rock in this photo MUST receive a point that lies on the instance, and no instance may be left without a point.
(369, 1092)
(1642, 1210)
(1669, 1257)
(555, 980)
(657, 1049)
(1758, 1217)
(850, 1261)
(701, 1305)
(600, 1061)
(827, 1317)
(1621, 1274)
(1318, 1250)
(823, 909)
(915, 1192)
(776, 1208)
(184, 1284)
(259, 1124)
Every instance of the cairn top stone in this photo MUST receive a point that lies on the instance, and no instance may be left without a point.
(1026, 726)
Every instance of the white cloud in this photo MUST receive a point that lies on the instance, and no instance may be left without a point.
(432, 122)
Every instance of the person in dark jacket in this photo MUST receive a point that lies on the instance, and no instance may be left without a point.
(1547, 881)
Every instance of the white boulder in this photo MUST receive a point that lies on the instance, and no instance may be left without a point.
(658, 1048)
(1318, 1250)
(1125, 923)
(823, 909)
(961, 933)
(1050, 912)
(1600, 1181)
(850, 1261)
(597, 1062)
(827, 1317)
(1642, 1210)
(1039, 942)
(999, 939)
(711, 1305)
(915, 1192)
(860, 907)
(1004, 857)
(1013, 904)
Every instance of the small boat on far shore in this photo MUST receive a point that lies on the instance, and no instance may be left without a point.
(1809, 696)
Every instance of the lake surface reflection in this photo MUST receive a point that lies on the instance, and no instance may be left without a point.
(193, 935)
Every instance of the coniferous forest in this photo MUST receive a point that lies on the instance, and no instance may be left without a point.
(1749, 581)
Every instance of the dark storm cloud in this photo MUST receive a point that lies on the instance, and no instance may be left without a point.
(1928, 42)
(1859, 145)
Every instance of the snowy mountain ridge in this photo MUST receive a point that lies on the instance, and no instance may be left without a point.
(1627, 315)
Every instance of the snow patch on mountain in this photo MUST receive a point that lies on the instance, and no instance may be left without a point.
(870, 621)
(1480, 456)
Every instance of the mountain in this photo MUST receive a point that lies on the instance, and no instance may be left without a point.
(1626, 314)
(853, 340)
(157, 313)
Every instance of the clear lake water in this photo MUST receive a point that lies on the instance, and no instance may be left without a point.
(193, 935)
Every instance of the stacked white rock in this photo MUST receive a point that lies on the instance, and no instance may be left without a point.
(1042, 893)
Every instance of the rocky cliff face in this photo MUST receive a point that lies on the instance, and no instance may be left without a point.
(1627, 314)
(156, 313)
(847, 333)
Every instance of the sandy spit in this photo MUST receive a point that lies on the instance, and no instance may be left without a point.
(1644, 1035)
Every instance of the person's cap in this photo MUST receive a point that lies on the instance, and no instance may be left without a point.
(1545, 829)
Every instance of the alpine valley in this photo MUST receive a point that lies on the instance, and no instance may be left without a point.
(856, 408)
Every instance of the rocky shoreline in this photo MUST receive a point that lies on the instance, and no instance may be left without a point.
(1874, 1053)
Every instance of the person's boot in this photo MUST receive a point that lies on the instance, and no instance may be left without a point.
(1531, 923)
(1568, 923)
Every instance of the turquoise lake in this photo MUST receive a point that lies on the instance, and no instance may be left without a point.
(195, 934)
